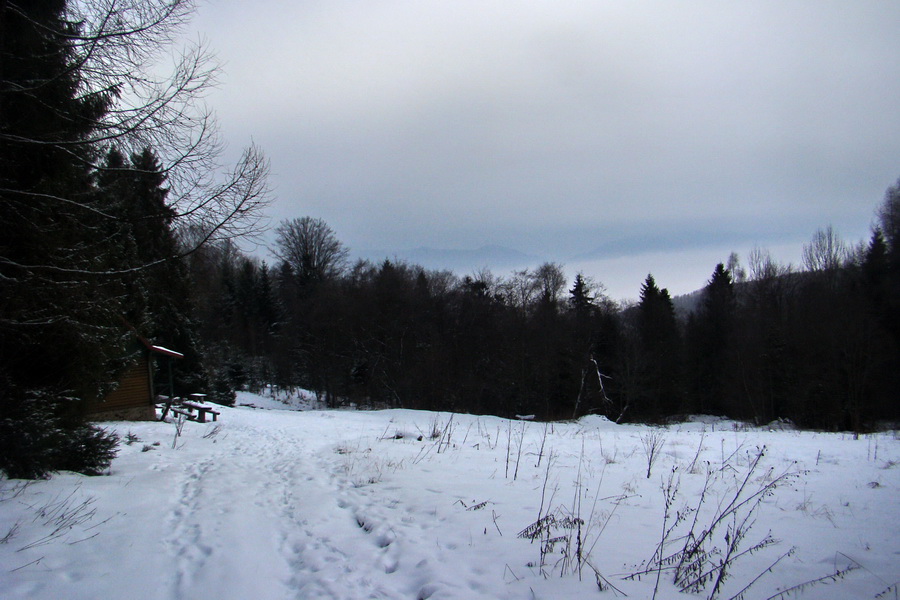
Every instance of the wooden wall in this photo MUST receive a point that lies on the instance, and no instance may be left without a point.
(132, 399)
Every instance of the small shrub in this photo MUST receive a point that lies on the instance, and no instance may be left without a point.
(698, 550)
(652, 443)
(87, 449)
(41, 432)
(26, 428)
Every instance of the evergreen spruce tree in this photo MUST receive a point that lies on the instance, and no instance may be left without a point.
(580, 360)
(158, 302)
(889, 225)
(876, 276)
(661, 352)
(60, 294)
(58, 291)
(710, 334)
(579, 297)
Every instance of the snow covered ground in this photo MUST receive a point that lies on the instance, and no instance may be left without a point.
(277, 503)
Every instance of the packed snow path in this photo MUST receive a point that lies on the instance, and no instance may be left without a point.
(271, 507)
(274, 504)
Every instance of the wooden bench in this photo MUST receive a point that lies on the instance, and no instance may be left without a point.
(184, 413)
(202, 410)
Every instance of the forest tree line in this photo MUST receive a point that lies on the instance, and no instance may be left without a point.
(816, 345)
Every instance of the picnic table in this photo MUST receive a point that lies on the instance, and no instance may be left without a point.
(194, 409)
(202, 410)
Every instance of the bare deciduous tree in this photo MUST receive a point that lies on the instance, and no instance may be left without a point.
(526, 288)
(763, 267)
(825, 252)
(311, 248)
(116, 52)
(550, 280)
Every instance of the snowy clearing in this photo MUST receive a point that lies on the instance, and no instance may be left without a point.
(271, 503)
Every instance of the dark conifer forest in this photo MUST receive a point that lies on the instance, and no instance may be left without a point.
(116, 219)
(816, 345)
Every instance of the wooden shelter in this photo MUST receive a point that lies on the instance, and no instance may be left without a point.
(134, 398)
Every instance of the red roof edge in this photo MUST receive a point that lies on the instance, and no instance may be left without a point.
(166, 351)
(147, 344)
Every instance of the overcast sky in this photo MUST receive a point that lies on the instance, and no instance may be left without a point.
(620, 138)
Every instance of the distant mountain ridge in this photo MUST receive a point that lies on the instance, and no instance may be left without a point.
(459, 260)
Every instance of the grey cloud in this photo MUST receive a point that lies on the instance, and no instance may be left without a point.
(598, 125)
